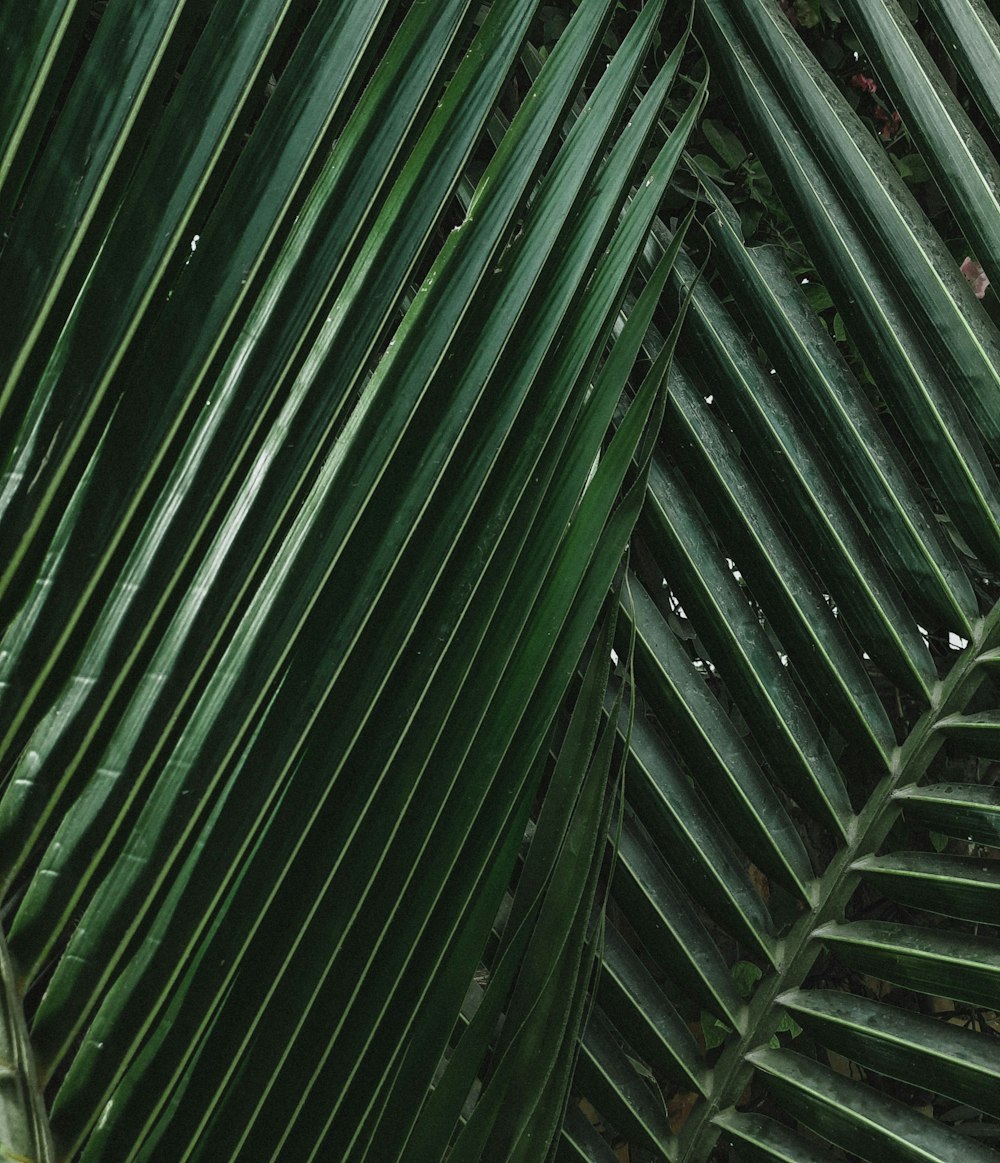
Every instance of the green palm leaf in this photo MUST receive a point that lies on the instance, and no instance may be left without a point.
(794, 548)
(312, 501)
(485, 674)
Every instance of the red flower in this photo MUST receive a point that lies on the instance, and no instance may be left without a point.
(977, 277)
(865, 84)
(888, 123)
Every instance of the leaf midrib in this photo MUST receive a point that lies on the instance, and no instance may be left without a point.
(833, 890)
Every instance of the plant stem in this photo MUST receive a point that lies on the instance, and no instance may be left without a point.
(833, 891)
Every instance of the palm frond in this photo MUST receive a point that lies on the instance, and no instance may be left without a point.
(311, 504)
(361, 799)
(815, 600)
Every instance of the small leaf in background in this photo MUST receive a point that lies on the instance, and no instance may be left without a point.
(591, 1114)
(679, 1108)
(912, 168)
(750, 216)
(808, 13)
(712, 168)
(787, 1025)
(554, 21)
(759, 881)
(745, 977)
(831, 53)
(818, 296)
(725, 143)
(940, 842)
(758, 183)
(713, 1030)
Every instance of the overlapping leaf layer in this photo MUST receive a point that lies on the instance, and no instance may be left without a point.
(803, 964)
(311, 505)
